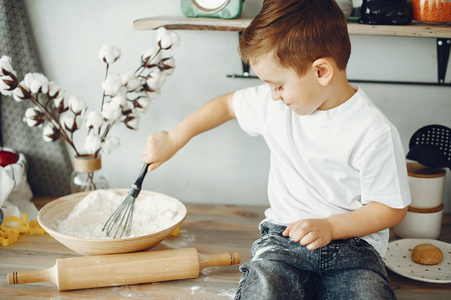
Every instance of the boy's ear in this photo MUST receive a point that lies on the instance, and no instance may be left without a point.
(324, 70)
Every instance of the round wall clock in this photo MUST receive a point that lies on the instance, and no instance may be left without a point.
(224, 9)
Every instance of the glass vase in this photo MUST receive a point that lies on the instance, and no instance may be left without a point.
(88, 174)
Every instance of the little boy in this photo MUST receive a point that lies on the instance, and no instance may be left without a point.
(337, 177)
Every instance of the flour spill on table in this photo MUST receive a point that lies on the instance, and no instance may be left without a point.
(151, 214)
(230, 293)
(185, 240)
(197, 288)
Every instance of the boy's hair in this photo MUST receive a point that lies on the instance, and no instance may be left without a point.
(297, 32)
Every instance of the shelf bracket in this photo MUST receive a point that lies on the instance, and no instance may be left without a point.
(245, 68)
(443, 50)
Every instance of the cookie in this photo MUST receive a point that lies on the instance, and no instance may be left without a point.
(427, 254)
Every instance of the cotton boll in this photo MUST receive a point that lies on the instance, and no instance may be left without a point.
(6, 92)
(19, 95)
(54, 90)
(77, 105)
(111, 112)
(175, 38)
(5, 65)
(132, 82)
(50, 133)
(109, 53)
(110, 144)
(70, 123)
(7, 84)
(154, 79)
(167, 38)
(4, 85)
(94, 121)
(151, 56)
(36, 83)
(59, 105)
(142, 103)
(113, 85)
(161, 32)
(166, 42)
(121, 100)
(93, 142)
(168, 65)
(126, 109)
(132, 121)
(34, 116)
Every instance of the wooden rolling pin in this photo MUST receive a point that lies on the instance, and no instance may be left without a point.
(122, 269)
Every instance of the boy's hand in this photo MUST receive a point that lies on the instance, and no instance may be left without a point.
(313, 233)
(158, 148)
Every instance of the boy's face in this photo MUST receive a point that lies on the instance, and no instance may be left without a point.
(302, 94)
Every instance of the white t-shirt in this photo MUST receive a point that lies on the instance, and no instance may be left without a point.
(329, 162)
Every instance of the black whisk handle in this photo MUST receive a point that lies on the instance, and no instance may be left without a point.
(141, 176)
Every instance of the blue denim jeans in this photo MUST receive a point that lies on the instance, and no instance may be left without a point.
(283, 269)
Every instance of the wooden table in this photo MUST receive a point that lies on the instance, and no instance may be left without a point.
(209, 228)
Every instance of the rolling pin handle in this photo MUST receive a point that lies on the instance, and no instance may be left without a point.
(223, 259)
(45, 275)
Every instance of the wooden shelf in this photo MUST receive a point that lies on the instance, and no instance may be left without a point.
(239, 24)
(184, 23)
(442, 34)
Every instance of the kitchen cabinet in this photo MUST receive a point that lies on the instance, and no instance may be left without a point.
(441, 34)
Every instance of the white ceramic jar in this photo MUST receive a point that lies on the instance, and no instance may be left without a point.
(424, 216)
(420, 223)
(426, 185)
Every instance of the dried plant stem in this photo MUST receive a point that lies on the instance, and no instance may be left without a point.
(107, 130)
(91, 180)
(106, 75)
(105, 133)
(51, 118)
(143, 67)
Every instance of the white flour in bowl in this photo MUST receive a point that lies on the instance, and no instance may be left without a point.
(151, 214)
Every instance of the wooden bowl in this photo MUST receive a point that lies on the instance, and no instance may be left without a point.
(60, 208)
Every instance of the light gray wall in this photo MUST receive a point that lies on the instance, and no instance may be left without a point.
(224, 165)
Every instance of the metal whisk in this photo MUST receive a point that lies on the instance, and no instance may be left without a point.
(122, 218)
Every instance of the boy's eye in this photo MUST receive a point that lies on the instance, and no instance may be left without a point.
(278, 88)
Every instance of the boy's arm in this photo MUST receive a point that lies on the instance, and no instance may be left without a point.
(371, 218)
(160, 147)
